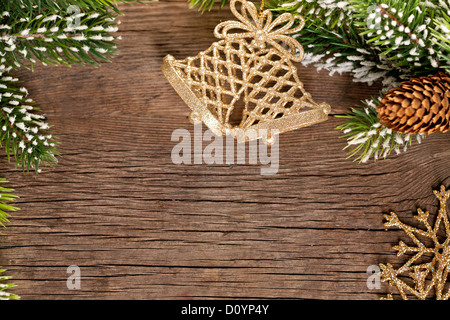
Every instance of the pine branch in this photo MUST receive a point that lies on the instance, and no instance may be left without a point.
(84, 38)
(206, 5)
(332, 41)
(370, 139)
(400, 31)
(61, 6)
(365, 38)
(4, 295)
(441, 38)
(23, 133)
(6, 196)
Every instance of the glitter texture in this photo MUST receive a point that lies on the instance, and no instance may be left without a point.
(427, 275)
(245, 84)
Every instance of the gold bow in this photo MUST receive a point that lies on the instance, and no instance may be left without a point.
(261, 27)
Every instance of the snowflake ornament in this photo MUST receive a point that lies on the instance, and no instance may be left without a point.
(426, 275)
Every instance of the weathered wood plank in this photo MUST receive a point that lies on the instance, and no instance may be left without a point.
(142, 227)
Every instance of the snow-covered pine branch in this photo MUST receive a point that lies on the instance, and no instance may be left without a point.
(441, 38)
(23, 132)
(368, 138)
(55, 38)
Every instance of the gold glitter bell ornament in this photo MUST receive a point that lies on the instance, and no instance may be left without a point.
(245, 84)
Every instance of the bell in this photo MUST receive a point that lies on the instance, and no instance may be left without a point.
(246, 84)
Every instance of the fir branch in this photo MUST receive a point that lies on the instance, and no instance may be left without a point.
(4, 294)
(6, 196)
(23, 133)
(374, 40)
(368, 137)
(206, 5)
(55, 39)
(332, 41)
(22, 7)
(400, 31)
(441, 38)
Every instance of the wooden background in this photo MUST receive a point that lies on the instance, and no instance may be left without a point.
(141, 227)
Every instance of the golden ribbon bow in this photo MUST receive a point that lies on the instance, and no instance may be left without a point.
(261, 27)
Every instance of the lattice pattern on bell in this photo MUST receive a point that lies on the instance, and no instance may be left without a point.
(245, 84)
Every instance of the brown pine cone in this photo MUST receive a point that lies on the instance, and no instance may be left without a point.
(420, 105)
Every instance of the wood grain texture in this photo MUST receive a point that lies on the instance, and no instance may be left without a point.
(141, 227)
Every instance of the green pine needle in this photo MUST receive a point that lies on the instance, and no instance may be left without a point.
(441, 38)
(61, 6)
(206, 5)
(4, 294)
(84, 37)
(368, 138)
(6, 196)
(23, 132)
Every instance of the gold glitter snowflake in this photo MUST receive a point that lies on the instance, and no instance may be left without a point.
(425, 276)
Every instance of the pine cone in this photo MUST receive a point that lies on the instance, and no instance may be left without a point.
(420, 105)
